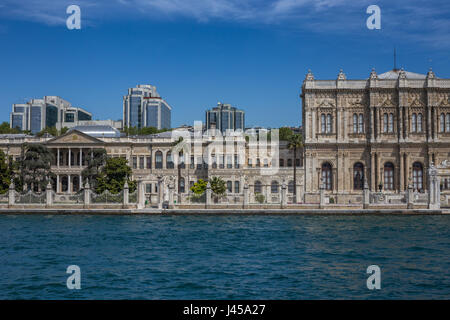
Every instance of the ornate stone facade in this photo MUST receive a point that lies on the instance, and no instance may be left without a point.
(154, 161)
(385, 130)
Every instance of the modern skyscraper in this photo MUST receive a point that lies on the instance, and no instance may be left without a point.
(51, 111)
(144, 107)
(225, 117)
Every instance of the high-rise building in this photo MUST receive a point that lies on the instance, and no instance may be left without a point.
(144, 107)
(51, 111)
(225, 117)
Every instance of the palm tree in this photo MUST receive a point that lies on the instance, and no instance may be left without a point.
(295, 142)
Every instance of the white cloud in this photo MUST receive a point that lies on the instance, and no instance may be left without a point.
(418, 20)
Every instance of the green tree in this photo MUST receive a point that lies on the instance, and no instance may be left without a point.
(114, 175)
(63, 131)
(5, 129)
(199, 187)
(94, 166)
(218, 187)
(34, 166)
(5, 173)
(133, 131)
(295, 143)
(285, 133)
(49, 130)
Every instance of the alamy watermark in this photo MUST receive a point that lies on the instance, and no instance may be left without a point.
(374, 21)
(213, 148)
(74, 20)
(74, 280)
(374, 280)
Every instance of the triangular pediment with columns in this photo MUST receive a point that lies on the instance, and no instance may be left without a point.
(74, 137)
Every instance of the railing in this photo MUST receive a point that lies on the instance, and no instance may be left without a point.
(4, 197)
(30, 198)
(133, 197)
(107, 198)
(77, 198)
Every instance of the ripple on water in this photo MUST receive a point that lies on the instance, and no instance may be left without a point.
(224, 257)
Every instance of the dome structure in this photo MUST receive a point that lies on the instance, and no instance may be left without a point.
(98, 131)
(394, 73)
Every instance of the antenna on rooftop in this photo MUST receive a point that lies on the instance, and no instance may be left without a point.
(395, 59)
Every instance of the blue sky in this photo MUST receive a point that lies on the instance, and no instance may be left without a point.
(252, 54)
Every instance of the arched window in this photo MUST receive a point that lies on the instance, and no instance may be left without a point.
(274, 187)
(169, 160)
(419, 122)
(289, 162)
(417, 176)
(358, 176)
(414, 123)
(291, 186)
(158, 160)
(385, 123)
(447, 122)
(391, 122)
(329, 125)
(281, 162)
(361, 124)
(327, 176)
(182, 186)
(258, 187)
(442, 123)
(388, 176)
(322, 124)
(229, 186)
(355, 123)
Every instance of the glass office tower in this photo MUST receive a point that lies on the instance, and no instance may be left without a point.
(51, 111)
(225, 117)
(144, 107)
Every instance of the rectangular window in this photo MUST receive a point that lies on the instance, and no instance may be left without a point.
(170, 164)
(148, 188)
(229, 162)
(134, 162)
(214, 161)
(221, 161)
(236, 161)
(149, 162)
(199, 162)
(236, 187)
(141, 162)
(250, 162)
(191, 165)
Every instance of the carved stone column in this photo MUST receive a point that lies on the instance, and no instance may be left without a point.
(49, 196)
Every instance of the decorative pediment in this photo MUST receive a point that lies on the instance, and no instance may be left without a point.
(326, 103)
(445, 102)
(388, 102)
(416, 103)
(415, 100)
(74, 137)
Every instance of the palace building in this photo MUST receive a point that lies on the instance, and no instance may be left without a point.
(153, 158)
(385, 131)
(375, 141)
